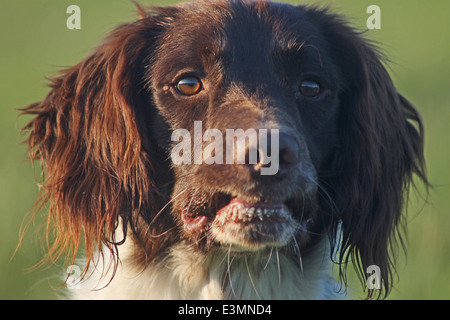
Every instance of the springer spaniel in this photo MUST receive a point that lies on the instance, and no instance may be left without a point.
(226, 149)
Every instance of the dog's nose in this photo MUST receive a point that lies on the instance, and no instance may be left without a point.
(288, 152)
(275, 154)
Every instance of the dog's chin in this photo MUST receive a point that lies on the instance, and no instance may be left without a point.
(242, 226)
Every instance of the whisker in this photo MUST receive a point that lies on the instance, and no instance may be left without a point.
(251, 279)
(270, 257)
(303, 207)
(278, 266)
(297, 248)
(229, 270)
(147, 232)
(327, 197)
(195, 243)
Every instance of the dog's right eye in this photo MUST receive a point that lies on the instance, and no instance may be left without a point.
(310, 88)
(189, 86)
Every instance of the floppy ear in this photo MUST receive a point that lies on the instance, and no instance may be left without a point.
(381, 147)
(91, 136)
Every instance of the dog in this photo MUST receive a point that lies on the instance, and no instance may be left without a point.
(328, 150)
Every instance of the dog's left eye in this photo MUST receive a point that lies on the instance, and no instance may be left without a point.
(310, 88)
(189, 86)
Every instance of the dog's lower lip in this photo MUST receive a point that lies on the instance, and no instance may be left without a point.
(238, 210)
(193, 224)
(244, 211)
(253, 225)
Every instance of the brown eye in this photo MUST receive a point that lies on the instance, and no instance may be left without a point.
(310, 88)
(189, 86)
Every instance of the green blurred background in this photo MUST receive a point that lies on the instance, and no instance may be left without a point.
(34, 43)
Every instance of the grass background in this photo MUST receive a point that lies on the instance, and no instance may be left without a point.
(34, 43)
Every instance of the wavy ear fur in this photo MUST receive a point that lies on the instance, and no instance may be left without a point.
(90, 134)
(381, 147)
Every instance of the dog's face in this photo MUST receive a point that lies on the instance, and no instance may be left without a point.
(260, 67)
(243, 125)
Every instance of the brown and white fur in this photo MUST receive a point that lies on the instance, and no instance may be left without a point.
(347, 143)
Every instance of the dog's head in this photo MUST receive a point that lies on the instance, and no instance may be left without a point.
(241, 125)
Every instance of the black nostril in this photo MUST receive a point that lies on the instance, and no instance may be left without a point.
(281, 153)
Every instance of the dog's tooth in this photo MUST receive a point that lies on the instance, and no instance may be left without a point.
(240, 213)
(235, 213)
(244, 213)
(259, 212)
(249, 213)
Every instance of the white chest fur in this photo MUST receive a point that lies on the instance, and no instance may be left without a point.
(187, 274)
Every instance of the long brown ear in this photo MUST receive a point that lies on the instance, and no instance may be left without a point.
(90, 135)
(381, 147)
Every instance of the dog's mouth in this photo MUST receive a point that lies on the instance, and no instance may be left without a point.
(247, 226)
